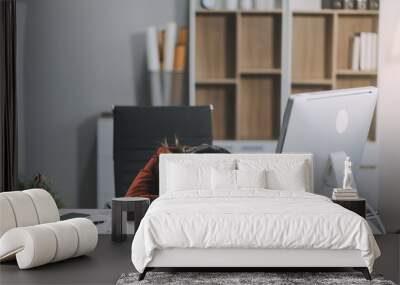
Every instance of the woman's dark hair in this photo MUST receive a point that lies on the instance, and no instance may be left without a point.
(177, 148)
(203, 148)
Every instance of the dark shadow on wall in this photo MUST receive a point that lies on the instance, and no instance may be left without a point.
(183, 19)
(140, 78)
(87, 161)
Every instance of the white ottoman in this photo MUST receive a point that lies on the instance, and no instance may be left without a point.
(31, 232)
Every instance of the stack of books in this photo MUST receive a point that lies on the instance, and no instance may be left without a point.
(365, 52)
(344, 194)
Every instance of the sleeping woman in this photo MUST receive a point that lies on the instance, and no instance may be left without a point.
(145, 184)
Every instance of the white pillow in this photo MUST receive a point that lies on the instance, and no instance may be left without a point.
(235, 179)
(282, 174)
(181, 177)
(251, 178)
(223, 179)
(292, 179)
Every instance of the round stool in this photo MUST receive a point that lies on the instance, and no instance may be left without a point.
(120, 208)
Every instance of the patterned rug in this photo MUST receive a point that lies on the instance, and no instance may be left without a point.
(269, 278)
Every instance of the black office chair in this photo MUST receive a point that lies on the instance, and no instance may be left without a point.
(138, 132)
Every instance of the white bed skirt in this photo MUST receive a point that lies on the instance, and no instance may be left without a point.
(192, 257)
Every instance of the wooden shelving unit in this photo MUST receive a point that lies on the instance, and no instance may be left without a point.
(245, 66)
(238, 72)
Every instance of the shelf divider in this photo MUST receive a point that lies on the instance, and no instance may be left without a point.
(216, 81)
(317, 82)
(350, 72)
(261, 12)
(260, 71)
(217, 11)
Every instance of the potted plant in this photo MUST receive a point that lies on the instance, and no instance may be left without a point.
(39, 181)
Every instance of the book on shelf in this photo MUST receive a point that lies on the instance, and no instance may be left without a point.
(363, 51)
(364, 55)
(372, 51)
(355, 61)
(368, 56)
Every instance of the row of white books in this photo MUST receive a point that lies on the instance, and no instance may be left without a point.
(365, 52)
(344, 194)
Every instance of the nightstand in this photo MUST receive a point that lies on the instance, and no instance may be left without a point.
(358, 206)
(120, 208)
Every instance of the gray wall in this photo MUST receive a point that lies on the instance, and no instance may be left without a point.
(77, 58)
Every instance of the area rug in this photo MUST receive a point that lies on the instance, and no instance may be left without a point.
(269, 278)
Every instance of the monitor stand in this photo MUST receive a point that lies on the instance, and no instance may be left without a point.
(334, 179)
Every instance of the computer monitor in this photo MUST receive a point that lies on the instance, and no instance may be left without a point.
(331, 125)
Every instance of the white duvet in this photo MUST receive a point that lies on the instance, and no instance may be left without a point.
(250, 219)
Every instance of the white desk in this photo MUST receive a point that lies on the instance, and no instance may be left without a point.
(100, 215)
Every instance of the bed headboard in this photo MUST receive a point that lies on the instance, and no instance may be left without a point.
(166, 159)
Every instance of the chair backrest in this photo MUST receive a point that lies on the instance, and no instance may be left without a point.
(26, 208)
(138, 132)
(287, 166)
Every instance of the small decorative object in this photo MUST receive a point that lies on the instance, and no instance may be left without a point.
(347, 192)
(361, 4)
(348, 4)
(337, 4)
(208, 4)
(264, 4)
(348, 176)
(373, 4)
(231, 4)
(246, 4)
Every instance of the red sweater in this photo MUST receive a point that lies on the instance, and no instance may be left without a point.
(147, 178)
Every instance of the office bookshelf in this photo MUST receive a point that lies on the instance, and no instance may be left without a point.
(238, 71)
(243, 63)
(259, 70)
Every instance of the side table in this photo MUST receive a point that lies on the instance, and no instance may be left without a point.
(357, 206)
(120, 207)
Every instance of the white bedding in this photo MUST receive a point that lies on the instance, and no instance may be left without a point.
(250, 218)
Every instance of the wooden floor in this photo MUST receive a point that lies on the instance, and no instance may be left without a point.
(110, 260)
(389, 262)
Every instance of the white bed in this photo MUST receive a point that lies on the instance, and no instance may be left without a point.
(210, 226)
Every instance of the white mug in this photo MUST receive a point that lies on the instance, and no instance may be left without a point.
(231, 4)
(246, 4)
